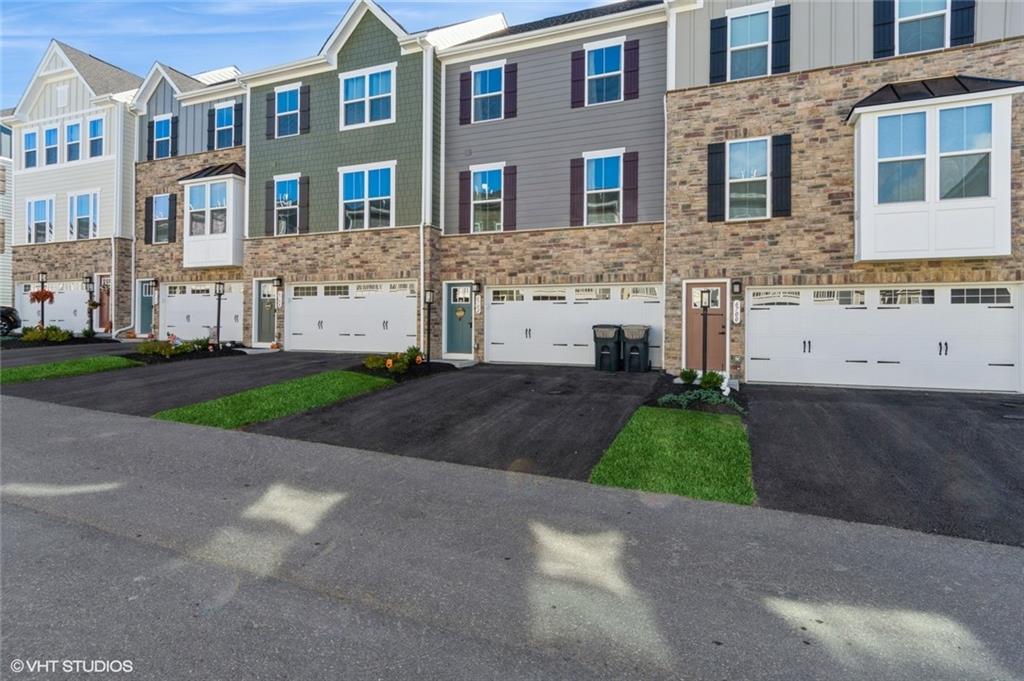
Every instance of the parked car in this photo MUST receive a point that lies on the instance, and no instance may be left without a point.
(9, 320)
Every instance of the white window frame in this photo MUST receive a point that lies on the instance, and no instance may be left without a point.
(170, 133)
(895, 159)
(365, 169)
(488, 66)
(967, 152)
(25, 149)
(944, 12)
(51, 229)
(67, 143)
(597, 45)
(743, 12)
(297, 113)
(55, 146)
(365, 75)
(152, 224)
(208, 209)
(94, 214)
(768, 179)
(298, 201)
(102, 136)
(604, 153)
(217, 128)
(480, 168)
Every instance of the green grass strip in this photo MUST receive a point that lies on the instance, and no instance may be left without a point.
(69, 367)
(276, 400)
(691, 453)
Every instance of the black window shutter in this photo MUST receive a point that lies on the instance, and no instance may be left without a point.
(508, 193)
(578, 89)
(630, 183)
(239, 112)
(576, 192)
(271, 111)
(172, 217)
(149, 141)
(465, 198)
(782, 185)
(465, 98)
(719, 54)
(174, 135)
(304, 204)
(885, 28)
(268, 216)
(511, 90)
(303, 109)
(961, 22)
(631, 70)
(780, 39)
(716, 182)
(147, 230)
(211, 128)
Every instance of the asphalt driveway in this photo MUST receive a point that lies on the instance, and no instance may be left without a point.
(16, 357)
(554, 421)
(143, 391)
(948, 463)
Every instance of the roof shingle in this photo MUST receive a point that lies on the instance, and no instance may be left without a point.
(571, 18)
(103, 78)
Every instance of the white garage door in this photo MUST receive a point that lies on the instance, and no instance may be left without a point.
(353, 317)
(189, 311)
(68, 309)
(952, 337)
(554, 324)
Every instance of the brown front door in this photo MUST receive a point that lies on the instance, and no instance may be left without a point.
(716, 327)
(104, 310)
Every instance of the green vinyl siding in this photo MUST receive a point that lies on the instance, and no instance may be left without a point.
(319, 153)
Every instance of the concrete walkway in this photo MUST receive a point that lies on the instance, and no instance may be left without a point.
(218, 554)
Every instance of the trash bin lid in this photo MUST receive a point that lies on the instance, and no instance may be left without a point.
(605, 331)
(635, 331)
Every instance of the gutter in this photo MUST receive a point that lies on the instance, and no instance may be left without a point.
(426, 168)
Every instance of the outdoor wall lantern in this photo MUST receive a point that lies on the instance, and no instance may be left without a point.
(42, 277)
(428, 296)
(278, 282)
(477, 287)
(737, 287)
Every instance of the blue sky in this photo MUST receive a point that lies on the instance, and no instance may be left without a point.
(196, 35)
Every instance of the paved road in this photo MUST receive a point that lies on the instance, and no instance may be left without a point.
(936, 462)
(555, 421)
(202, 553)
(58, 353)
(144, 391)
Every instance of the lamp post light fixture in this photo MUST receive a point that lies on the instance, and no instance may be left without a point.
(42, 302)
(428, 300)
(705, 303)
(218, 290)
(90, 288)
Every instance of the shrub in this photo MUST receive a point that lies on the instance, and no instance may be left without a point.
(396, 363)
(167, 349)
(705, 396)
(688, 376)
(53, 334)
(374, 362)
(88, 333)
(712, 380)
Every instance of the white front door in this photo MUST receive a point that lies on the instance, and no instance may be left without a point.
(68, 310)
(953, 336)
(351, 317)
(554, 324)
(189, 311)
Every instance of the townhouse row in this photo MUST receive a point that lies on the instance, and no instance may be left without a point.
(842, 178)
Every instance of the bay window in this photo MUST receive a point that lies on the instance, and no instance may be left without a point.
(207, 208)
(901, 158)
(965, 151)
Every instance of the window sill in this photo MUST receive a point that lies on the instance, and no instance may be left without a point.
(589, 105)
(489, 120)
(359, 126)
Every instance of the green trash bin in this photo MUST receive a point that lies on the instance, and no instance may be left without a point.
(636, 347)
(607, 347)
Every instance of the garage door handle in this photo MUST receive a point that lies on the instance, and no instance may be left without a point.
(945, 348)
(805, 346)
(940, 348)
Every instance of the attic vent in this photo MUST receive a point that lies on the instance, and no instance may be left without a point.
(62, 96)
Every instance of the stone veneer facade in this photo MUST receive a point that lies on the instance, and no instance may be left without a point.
(164, 262)
(816, 245)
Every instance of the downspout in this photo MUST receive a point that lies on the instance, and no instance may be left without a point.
(426, 170)
(664, 239)
(113, 237)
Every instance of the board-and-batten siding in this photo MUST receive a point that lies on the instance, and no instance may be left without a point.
(547, 132)
(127, 159)
(47, 104)
(823, 33)
(192, 120)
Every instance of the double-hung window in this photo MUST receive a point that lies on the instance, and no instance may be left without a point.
(487, 198)
(488, 88)
(603, 188)
(162, 137)
(901, 157)
(208, 208)
(72, 142)
(747, 166)
(367, 196)
(367, 97)
(286, 205)
(224, 121)
(40, 221)
(83, 215)
(287, 111)
(95, 137)
(749, 41)
(965, 151)
(30, 142)
(161, 218)
(604, 71)
(51, 146)
(922, 25)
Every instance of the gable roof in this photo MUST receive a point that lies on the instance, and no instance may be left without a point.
(214, 171)
(182, 81)
(101, 77)
(931, 88)
(571, 18)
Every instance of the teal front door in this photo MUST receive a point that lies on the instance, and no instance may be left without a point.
(266, 313)
(458, 319)
(145, 308)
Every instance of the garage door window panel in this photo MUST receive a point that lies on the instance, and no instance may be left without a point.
(965, 150)
(286, 206)
(487, 199)
(839, 297)
(506, 296)
(907, 296)
(604, 190)
(771, 298)
(980, 296)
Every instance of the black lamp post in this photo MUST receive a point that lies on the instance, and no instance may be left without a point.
(218, 289)
(705, 303)
(428, 300)
(90, 287)
(42, 302)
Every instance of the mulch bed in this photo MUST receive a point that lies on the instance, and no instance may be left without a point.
(415, 371)
(15, 343)
(667, 387)
(198, 354)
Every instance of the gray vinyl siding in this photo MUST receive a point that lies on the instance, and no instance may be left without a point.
(547, 132)
(192, 120)
(7, 218)
(823, 33)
